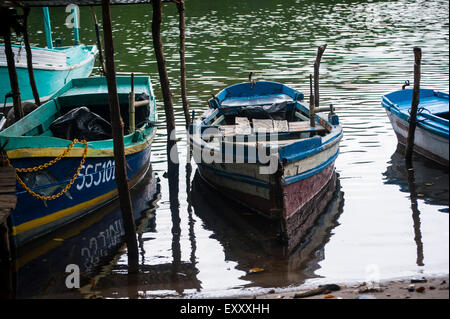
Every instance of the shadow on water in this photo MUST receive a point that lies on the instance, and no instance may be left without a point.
(422, 179)
(252, 241)
(39, 268)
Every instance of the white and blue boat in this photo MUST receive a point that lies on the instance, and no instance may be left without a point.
(432, 132)
(53, 67)
(257, 145)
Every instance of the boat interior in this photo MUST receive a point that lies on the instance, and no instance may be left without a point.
(96, 115)
(279, 115)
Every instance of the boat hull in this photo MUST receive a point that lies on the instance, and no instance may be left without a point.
(427, 144)
(94, 187)
(48, 79)
(295, 199)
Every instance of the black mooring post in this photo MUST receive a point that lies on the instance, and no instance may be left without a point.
(119, 148)
(414, 105)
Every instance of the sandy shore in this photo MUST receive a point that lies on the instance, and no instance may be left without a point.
(413, 288)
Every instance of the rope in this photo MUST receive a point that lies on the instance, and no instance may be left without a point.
(43, 166)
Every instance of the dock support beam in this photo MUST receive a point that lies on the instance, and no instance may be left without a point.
(414, 105)
(119, 147)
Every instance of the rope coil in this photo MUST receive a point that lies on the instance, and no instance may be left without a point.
(43, 166)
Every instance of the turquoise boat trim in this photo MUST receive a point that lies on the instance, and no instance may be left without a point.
(48, 28)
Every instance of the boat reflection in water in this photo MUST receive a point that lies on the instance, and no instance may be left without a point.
(253, 241)
(39, 269)
(423, 180)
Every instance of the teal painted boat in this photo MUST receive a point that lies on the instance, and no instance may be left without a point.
(53, 67)
(74, 177)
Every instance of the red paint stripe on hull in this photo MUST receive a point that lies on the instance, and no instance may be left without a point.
(296, 195)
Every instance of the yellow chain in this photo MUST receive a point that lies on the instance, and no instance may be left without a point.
(41, 167)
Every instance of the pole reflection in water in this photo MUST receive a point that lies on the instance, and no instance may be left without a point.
(422, 180)
(39, 269)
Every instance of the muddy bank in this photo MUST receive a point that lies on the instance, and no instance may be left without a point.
(411, 288)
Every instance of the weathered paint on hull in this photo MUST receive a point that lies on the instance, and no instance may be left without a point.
(92, 189)
(431, 146)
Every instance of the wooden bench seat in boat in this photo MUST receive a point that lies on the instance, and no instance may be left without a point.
(269, 126)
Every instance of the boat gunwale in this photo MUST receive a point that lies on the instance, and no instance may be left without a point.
(90, 55)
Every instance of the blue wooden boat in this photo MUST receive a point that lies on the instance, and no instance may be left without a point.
(431, 135)
(53, 67)
(256, 145)
(86, 167)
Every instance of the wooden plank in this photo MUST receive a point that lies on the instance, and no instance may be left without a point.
(227, 130)
(262, 125)
(280, 126)
(242, 125)
(303, 126)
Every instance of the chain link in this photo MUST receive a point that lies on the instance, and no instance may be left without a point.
(43, 166)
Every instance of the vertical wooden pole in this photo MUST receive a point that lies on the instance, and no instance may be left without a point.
(131, 108)
(119, 148)
(182, 28)
(312, 121)
(163, 76)
(6, 32)
(320, 51)
(26, 12)
(414, 105)
(99, 42)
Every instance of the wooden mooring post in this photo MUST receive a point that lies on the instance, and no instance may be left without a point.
(312, 112)
(164, 78)
(182, 28)
(119, 148)
(414, 105)
(9, 20)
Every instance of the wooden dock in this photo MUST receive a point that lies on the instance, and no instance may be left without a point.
(8, 202)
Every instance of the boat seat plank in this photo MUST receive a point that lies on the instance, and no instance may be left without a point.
(262, 125)
(227, 130)
(280, 125)
(242, 125)
(304, 126)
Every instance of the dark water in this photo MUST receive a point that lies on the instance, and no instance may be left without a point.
(381, 222)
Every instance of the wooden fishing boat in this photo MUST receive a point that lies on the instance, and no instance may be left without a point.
(53, 67)
(256, 145)
(63, 178)
(431, 135)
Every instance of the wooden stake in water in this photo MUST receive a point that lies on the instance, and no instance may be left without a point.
(414, 105)
(118, 142)
(312, 121)
(26, 12)
(163, 75)
(99, 42)
(182, 28)
(9, 20)
(320, 51)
